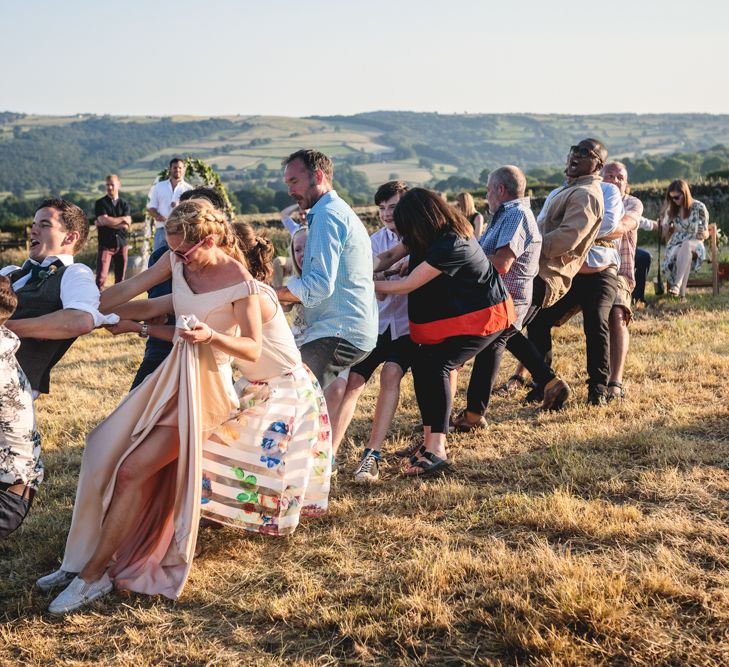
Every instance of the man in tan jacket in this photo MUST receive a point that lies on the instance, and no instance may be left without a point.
(569, 226)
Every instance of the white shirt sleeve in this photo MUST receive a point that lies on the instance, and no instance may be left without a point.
(79, 291)
(614, 209)
(153, 199)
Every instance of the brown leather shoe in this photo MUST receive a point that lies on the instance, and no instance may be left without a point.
(461, 423)
(556, 393)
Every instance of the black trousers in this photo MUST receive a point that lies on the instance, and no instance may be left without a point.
(485, 369)
(431, 373)
(594, 293)
(642, 266)
(525, 351)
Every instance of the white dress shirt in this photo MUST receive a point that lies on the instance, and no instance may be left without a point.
(78, 288)
(162, 195)
(393, 309)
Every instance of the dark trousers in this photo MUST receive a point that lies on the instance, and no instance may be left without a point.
(522, 349)
(485, 369)
(431, 375)
(104, 257)
(148, 366)
(642, 266)
(594, 293)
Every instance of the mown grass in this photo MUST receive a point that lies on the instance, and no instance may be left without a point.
(593, 536)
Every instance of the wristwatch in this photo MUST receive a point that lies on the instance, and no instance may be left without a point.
(144, 331)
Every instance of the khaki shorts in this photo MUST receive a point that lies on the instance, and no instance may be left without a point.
(624, 297)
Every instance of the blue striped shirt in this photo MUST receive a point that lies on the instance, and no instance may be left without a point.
(336, 286)
(514, 226)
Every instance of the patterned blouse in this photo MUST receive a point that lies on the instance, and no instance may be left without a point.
(20, 461)
(693, 228)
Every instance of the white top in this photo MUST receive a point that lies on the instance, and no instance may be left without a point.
(393, 309)
(162, 195)
(291, 225)
(78, 288)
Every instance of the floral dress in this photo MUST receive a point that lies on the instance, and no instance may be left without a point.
(693, 228)
(20, 442)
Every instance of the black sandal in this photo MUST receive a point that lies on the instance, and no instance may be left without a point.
(611, 396)
(430, 464)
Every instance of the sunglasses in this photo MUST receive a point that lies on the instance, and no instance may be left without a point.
(676, 198)
(584, 151)
(185, 256)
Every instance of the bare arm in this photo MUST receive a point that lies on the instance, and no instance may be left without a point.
(627, 224)
(289, 211)
(503, 259)
(386, 259)
(145, 309)
(156, 214)
(161, 331)
(478, 226)
(285, 295)
(59, 325)
(128, 289)
(119, 222)
(247, 345)
(422, 274)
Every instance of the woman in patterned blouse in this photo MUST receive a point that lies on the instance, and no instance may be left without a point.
(687, 221)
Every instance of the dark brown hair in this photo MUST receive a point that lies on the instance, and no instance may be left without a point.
(389, 190)
(74, 219)
(258, 251)
(421, 216)
(8, 300)
(674, 210)
(312, 160)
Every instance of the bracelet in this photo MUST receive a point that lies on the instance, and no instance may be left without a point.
(208, 340)
(144, 331)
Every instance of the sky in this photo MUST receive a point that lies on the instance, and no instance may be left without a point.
(287, 58)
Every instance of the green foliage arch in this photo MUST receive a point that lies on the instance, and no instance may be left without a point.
(198, 169)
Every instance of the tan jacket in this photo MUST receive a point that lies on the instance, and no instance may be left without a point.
(569, 227)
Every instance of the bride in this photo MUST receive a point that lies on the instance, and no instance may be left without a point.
(261, 449)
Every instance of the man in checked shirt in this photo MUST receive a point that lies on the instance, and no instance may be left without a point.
(621, 312)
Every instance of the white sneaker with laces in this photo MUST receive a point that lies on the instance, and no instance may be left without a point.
(369, 468)
(80, 593)
(56, 579)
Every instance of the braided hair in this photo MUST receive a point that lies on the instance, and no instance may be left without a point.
(195, 219)
(258, 251)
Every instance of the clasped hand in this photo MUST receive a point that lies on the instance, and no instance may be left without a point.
(200, 333)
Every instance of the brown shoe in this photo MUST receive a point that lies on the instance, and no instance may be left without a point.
(462, 425)
(556, 393)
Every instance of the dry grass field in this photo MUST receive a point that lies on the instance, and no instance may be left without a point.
(595, 536)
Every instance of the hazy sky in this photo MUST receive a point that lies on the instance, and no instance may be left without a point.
(317, 57)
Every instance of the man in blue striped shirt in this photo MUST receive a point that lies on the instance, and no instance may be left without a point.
(335, 286)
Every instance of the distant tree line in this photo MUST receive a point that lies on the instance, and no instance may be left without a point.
(72, 156)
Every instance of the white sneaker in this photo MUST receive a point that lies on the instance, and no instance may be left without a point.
(57, 579)
(80, 593)
(368, 470)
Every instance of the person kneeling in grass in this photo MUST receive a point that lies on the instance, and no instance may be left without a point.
(394, 349)
(457, 307)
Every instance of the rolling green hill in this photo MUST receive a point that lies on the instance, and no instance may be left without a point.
(40, 154)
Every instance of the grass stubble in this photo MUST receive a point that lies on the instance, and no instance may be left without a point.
(588, 537)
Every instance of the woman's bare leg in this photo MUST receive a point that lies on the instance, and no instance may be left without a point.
(160, 448)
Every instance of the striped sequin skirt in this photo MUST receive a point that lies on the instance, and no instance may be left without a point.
(271, 462)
